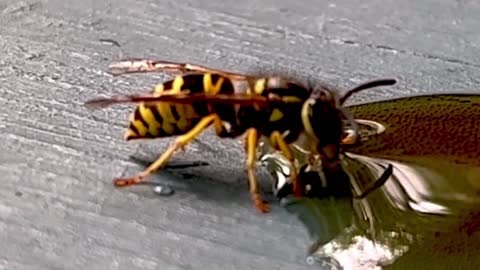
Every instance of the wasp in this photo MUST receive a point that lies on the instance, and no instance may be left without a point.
(279, 109)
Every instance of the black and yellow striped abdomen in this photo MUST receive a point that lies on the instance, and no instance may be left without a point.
(167, 119)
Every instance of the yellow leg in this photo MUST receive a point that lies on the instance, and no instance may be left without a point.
(180, 143)
(251, 147)
(277, 141)
(217, 124)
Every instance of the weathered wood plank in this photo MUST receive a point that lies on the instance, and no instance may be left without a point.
(58, 209)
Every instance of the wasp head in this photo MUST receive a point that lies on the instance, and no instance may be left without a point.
(322, 121)
(323, 115)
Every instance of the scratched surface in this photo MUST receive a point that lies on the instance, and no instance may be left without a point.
(58, 209)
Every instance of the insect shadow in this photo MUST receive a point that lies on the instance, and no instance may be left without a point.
(327, 207)
(178, 176)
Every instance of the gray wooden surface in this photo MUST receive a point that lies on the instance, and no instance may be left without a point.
(58, 209)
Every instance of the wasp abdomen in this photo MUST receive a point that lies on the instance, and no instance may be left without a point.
(160, 120)
(164, 119)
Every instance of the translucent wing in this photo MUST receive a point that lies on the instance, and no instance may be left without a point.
(139, 65)
(180, 99)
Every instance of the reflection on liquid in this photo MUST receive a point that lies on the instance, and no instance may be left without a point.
(342, 228)
(427, 213)
(426, 188)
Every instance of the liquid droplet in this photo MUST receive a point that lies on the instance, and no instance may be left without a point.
(163, 190)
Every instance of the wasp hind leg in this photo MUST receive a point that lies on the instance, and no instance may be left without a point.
(251, 144)
(277, 141)
(180, 143)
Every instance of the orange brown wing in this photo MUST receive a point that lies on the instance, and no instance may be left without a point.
(242, 99)
(139, 65)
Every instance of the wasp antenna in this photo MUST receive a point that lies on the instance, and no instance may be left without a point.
(367, 85)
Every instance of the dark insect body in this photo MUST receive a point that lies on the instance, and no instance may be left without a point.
(282, 110)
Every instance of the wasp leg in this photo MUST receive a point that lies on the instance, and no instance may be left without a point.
(377, 184)
(354, 137)
(251, 146)
(180, 143)
(277, 141)
(350, 139)
(138, 65)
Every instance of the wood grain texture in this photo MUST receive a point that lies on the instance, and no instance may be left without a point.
(58, 209)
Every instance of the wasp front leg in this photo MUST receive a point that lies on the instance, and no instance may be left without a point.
(138, 65)
(180, 143)
(251, 147)
(277, 141)
(352, 137)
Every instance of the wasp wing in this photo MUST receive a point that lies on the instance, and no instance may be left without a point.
(241, 99)
(139, 65)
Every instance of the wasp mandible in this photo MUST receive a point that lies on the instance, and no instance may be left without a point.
(278, 108)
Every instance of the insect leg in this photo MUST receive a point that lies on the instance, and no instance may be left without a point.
(354, 137)
(251, 147)
(138, 65)
(277, 141)
(180, 143)
(378, 183)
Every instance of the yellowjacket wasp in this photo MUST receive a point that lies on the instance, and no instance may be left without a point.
(282, 110)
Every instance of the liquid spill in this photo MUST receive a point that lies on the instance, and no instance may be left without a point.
(426, 215)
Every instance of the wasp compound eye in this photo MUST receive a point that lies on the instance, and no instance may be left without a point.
(326, 123)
